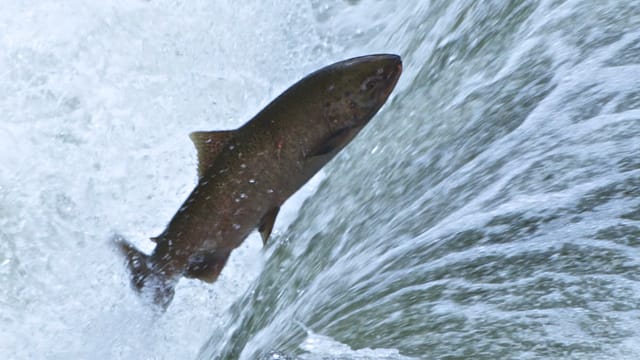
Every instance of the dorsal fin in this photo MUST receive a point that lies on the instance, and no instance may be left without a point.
(209, 144)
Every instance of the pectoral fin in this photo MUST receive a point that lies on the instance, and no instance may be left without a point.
(266, 224)
(207, 266)
(335, 141)
(209, 144)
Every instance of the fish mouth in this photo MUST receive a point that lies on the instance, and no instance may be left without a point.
(393, 69)
(395, 72)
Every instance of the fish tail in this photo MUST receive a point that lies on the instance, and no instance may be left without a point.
(145, 277)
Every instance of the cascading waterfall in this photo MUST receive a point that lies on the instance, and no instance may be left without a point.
(490, 210)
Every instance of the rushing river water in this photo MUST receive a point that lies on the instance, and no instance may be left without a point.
(491, 210)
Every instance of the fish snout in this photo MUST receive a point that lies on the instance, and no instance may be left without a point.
(391, 73)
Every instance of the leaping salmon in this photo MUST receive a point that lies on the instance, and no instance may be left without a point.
(246, 174)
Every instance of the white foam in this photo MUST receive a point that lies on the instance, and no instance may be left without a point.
(97, 101)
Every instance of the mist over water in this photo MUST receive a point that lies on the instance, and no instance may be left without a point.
(490, 210)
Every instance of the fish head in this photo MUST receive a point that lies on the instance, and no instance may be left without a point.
(360, 86)
(351, 93)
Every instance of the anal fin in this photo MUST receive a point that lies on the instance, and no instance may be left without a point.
(266, 224)
(207, 266)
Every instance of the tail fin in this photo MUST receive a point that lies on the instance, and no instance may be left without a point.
(145, 278)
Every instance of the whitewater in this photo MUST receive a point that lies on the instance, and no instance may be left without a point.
(491, 210)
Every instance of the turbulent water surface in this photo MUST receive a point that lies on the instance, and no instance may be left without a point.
(490, 210)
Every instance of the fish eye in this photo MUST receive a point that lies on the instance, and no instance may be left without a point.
(370, 83)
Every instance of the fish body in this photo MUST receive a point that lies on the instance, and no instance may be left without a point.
(246, 174)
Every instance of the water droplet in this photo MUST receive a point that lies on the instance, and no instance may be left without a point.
(270, 191)
(236, 226)
(252, 181)
(244, 166)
